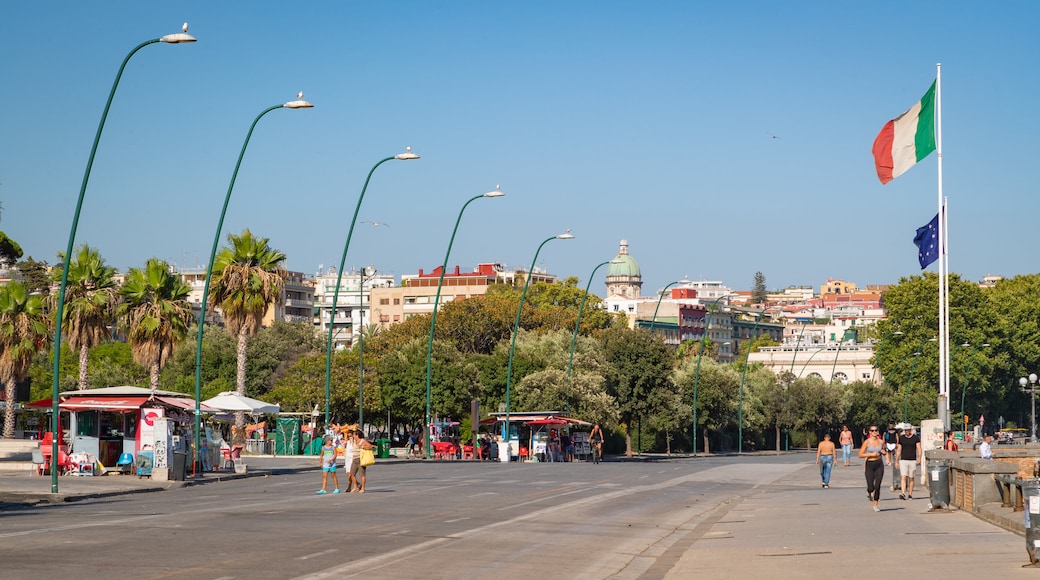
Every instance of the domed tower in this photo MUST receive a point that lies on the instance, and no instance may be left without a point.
(623, 277)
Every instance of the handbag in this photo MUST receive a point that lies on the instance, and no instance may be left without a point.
(368, 457)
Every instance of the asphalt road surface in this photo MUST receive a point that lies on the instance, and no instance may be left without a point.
(464, 520)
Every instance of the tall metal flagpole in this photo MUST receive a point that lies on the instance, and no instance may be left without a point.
(944, 331)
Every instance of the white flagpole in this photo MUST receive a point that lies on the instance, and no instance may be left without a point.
(944, 331)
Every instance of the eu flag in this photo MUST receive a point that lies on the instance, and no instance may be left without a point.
(927, 242)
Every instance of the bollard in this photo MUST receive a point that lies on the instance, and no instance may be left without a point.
(1031, 493)
(938, 483)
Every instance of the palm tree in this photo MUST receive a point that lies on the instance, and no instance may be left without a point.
(90, 303)
(24, 331)
(155, 312)
(247, 279)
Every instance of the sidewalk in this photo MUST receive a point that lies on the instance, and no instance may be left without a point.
(796, 529)
(18, 488)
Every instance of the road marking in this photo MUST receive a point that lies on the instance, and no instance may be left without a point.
(316, 554)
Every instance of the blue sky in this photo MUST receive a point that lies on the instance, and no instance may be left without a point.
(647, 121)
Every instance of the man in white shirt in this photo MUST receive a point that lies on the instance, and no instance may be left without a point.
(985, 449)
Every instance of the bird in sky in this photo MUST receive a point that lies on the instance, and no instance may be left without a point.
(377, 224)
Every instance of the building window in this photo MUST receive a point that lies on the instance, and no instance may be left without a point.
(397, 318)
(384, 318)
(384, 301)
(397, 301)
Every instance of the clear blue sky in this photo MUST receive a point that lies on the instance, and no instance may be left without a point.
(646, 121)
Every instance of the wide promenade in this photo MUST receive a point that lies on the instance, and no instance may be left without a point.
(756, 516)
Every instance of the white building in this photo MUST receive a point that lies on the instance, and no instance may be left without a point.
(352, 302)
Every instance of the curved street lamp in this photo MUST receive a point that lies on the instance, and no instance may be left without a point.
(178, 38)
(697, 373)
(873, 372)
(436, 303)
(816, 352)
(796, 343)
(909, 383)
(577, 324)
(516, 325)
(406, 156)
(740, 408)
(964, 384)
(299, 103)
(659, 299)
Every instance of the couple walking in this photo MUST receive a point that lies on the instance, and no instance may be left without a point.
(353, 444)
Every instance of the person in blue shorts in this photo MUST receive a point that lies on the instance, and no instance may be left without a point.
(328, 456)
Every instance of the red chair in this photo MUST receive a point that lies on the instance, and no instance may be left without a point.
(523, 453)
(467, 452)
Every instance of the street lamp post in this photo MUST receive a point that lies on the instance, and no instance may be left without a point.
(964, 383)
(516, 326)
(910, 383)
(433, 318)
(1031, 391)
(797, 342)
(370, 271)
(740, 408)
(873, 372)
(407, 155)
(809, 360)
(577, 324)
(661, 297)
(177, 38)
(697, 373)
(299, 103)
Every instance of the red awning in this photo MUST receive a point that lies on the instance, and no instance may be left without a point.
(103, 403)
(186, 404)
(41, 404)
(549, 421)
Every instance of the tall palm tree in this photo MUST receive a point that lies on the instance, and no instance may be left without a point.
(24, 330)
(248, 278)
(155, 312)
(90, 303)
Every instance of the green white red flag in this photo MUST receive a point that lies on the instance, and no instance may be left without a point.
(907, 139)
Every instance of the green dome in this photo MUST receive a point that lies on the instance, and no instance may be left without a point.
(625, 265)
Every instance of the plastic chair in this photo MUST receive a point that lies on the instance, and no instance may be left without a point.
(125, 463)
(225, 458)
(467, 452)
(39, 463)
(523, 453)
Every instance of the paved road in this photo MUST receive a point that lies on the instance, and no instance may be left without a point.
(763, 517)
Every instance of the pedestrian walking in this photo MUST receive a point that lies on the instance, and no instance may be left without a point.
(891, 437)
(951, 443)
(845, 440)
(873, 450)
(908, 449)
(327, 460)
(826, 457)
(357, 471)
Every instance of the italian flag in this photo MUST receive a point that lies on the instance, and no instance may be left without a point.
(907, 139)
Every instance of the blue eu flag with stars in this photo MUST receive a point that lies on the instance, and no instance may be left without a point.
(927, 242)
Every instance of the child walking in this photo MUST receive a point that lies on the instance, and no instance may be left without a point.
(329, 452)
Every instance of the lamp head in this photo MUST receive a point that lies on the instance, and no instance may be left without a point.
(932, 339)
(984, 345)
(496, 193)
(370, 270)
(897, 333)
(1032, 378)
(406, 155)
(179, 37)
(565, 235)
(966, 344)
(299, 103)
(1023, 382)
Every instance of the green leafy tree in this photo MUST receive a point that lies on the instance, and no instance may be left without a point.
(34, 275)
(24, 331)
(866, 404)
(155, 313)
(814, 405)
(90, 304)
(718, 388)
(10, 251)
(638, 375)
(247, 279)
